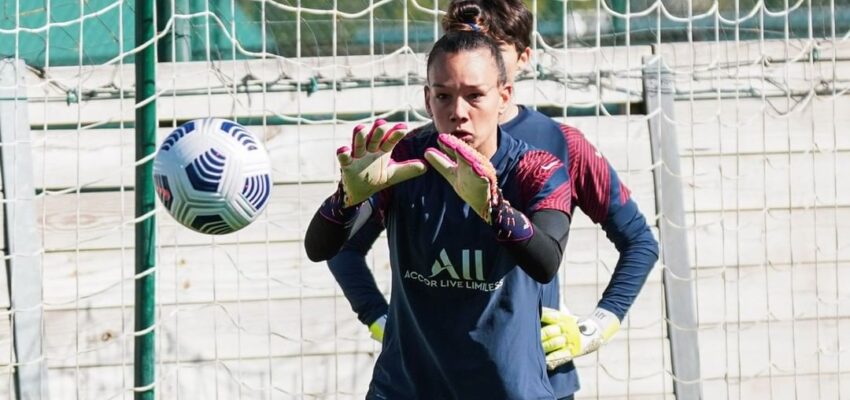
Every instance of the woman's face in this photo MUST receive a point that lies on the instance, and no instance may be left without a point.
(465, 99)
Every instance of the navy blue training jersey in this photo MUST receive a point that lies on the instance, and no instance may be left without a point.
(463, 318)
(596, 190)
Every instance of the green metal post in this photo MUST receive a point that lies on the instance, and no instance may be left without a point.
(146, 124)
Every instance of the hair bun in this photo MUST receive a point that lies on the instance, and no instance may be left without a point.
(469, 12)
(464, 15)
(466, 11)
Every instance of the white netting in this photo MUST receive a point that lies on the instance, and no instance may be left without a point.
(761, 107)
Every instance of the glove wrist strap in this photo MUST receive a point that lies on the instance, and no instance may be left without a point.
(510, 224)
(333, 208)
(377, 328)
(607, 322)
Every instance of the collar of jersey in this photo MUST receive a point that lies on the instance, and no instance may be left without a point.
(521, 115)
(503, 142)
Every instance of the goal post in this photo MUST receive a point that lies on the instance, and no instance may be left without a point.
(146, 123)
(679, 298)
(23, 266)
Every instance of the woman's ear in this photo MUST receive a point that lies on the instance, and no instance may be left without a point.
(427, 93)
(505, 93)
(523, 59)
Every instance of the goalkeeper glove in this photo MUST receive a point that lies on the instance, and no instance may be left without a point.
(367, 167)
(565, 337)
(470, 174)
(377, 328)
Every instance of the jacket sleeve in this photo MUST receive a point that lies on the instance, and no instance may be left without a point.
(353, 275)
(599, 193)
(626, 227)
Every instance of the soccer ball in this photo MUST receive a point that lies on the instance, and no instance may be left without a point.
(213, 176)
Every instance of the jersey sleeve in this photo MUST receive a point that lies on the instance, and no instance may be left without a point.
(543, 182)
(599, 193)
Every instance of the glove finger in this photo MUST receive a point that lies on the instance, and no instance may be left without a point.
(469, 159)
(549, 316)
(376, 136)
(552, 316)
(557, 359)
(400, 172)
(358, 142)
(441, 162)
(447, 144)
(550, 331)
(548, 310)
(554, 344)
(393, 136)
(343, 154)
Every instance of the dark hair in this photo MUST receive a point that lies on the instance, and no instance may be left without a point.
(508, 21)
(462, 41)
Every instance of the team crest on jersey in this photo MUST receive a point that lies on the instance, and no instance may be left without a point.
(446, 274)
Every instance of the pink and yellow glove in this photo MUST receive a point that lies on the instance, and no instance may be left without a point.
(470, 174)
(367, 166)
(565, 337)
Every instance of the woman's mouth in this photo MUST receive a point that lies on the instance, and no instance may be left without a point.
(463, 135)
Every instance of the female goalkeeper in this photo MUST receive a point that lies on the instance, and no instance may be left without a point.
(596, 190)
(472, 238)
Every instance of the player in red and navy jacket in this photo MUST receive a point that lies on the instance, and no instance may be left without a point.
(467, 275)
(596, 190)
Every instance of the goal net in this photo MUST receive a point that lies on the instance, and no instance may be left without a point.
(759, 95)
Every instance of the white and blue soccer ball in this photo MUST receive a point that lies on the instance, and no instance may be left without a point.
(213, 176)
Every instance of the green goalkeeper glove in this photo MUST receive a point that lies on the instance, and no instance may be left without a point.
(565, 337)
(377, 328)
(367, 167)
(470, 174)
